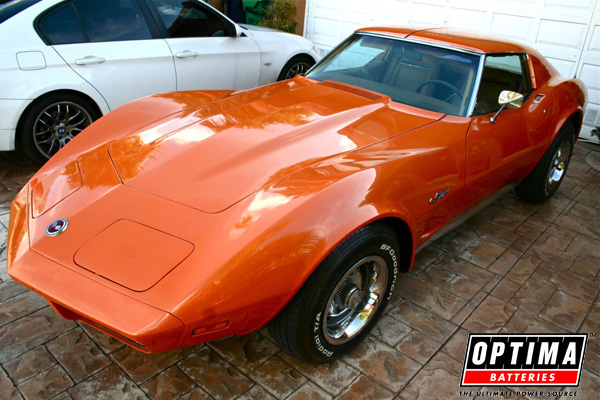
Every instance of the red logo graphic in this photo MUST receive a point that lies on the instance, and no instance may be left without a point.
(523, 360)
(56, 227)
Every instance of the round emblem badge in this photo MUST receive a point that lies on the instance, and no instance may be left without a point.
(57, 227)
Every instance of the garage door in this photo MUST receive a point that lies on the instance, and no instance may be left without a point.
(567, 32)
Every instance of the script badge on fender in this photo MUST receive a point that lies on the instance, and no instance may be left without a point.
(57, 227)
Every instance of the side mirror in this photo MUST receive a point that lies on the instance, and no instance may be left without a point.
(238, 30)
(508, 99)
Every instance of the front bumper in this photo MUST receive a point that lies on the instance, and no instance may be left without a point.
(75, 296)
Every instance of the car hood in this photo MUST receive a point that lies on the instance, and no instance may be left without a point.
(212, 156)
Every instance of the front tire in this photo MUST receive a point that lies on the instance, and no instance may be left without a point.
(297, 65)
(341, 301)
(546, 177)
(53, 121)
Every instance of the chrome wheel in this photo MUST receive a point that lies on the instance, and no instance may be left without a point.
(342, 299)
(298, 68)
(355, 300)
(57, 124)
(558, 166)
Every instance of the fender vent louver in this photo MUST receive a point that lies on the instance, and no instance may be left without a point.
(354, 90)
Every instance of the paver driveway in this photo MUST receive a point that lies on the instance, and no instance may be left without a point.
(512, 268)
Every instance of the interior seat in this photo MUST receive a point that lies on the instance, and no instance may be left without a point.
(408, 69)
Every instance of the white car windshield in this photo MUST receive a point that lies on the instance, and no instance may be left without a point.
(428, 77)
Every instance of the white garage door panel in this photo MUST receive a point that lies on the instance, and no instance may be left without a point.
(571, 3)
(349, 27)
(589, 69)
(327, 4)
(591, 74)
(468, 19)
(566, 68)
(512, 26)
(592, 115)
(567, 32)
(429, 14)
(323, 27)
(562, 33)
(383, 7)
(363, 7)
(561, 57)
(594, 44)
(354, 18)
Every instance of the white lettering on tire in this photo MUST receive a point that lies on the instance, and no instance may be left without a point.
(317, 323)
(392, 254)
(318, 339)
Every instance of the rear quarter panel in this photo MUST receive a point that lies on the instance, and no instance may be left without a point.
(569, 96)
(565, 100)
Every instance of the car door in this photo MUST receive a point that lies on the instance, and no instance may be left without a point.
(110, 44)
(502, 151)
(208, 53)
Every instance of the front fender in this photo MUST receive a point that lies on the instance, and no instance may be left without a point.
(290, 233)
(313, 228)
(257, 254)
(279, 236)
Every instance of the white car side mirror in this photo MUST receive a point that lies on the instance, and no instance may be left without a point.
(238, 31)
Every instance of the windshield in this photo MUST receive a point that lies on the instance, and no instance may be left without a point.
(427, 77)
(9, 8)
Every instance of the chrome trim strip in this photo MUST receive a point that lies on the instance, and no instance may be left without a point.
(476, 87)
(423, 42)
(111, 332)
(468, 214)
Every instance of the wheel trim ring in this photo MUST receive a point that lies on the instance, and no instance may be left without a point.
(45, 137)
(558, 166)
(373, 291)
(298, 68)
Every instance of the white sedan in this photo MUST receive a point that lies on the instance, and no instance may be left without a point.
(64, 63)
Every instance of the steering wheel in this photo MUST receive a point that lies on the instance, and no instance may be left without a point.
(455, 91)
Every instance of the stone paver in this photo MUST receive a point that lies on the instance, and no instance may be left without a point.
(512, 268)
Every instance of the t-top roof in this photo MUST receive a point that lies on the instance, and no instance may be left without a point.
(465, 40)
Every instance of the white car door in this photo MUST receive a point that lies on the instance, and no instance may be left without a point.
(208, 54)
(111, 46)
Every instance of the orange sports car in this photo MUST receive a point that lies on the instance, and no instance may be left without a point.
(186, 217)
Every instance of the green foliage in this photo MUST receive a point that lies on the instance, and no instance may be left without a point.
(279, 15)
(596, 132)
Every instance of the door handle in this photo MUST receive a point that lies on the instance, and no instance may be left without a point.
(89, 60)
(538, 99)
(186, 54)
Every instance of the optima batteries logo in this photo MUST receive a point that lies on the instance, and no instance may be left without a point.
(523, 360)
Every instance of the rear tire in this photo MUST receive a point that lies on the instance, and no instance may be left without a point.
(51, 122)
(544, 180)
(341, 301)
(297, 65)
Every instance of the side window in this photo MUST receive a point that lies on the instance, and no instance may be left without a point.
(185, 18)
(60, 27)
(112, 20)
(501, 72)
